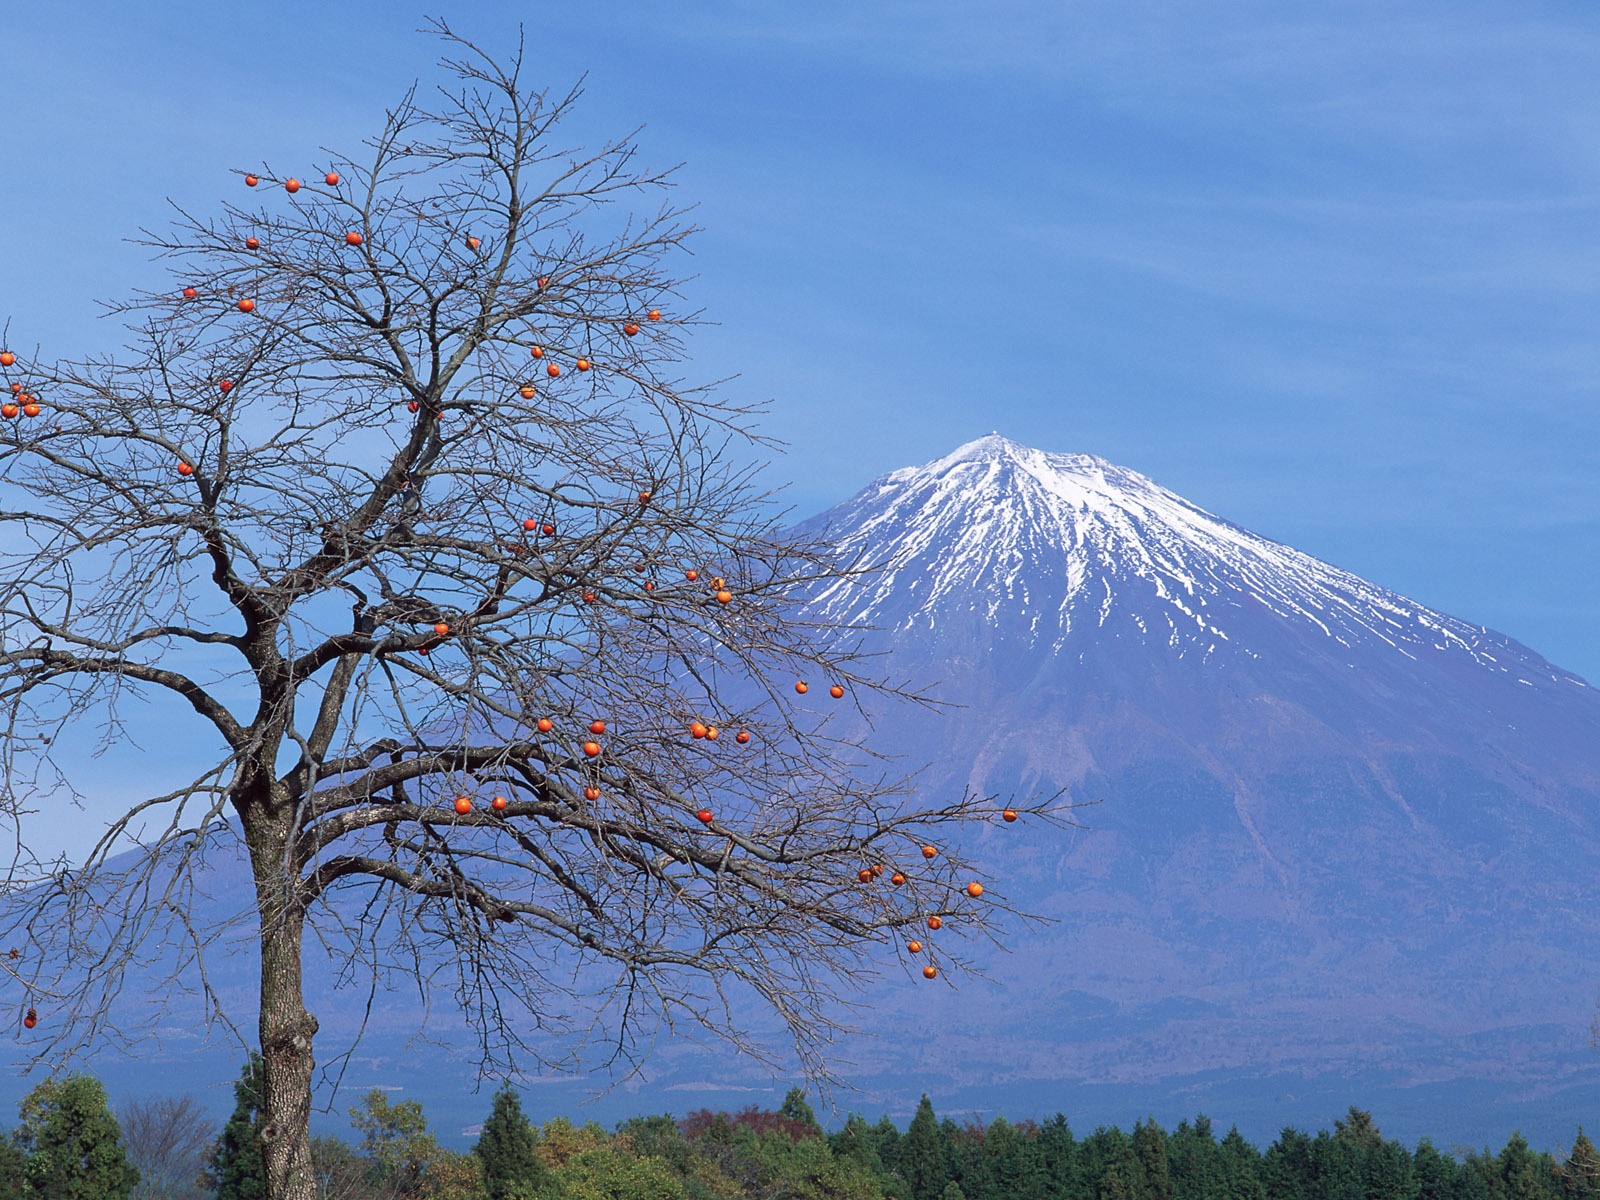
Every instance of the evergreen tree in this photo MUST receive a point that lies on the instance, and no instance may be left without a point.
(236, 1168)
(1150, 1148)
(1195, 1162)
(1113, 1186)
(886, 1140)
(1357, 1128)
(1241, 1168)
(507, 1149)
(965, 1161)
(1006, 1161)
(1480, 1178)
(1580, 1174)
(1058, 1156)
(1103, 1152)
(857, 1143)
(952, 1191)
(74, 1144)
(1522, 1174)
(1436, 1174)
(1339, 1163)
(921, 1160)
(796, 1108)
(1390, 1173)
(1287, 1169)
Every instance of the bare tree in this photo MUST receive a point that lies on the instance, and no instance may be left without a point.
(395, 498)
(167, 1138)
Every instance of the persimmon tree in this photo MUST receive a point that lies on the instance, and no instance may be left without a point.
(395, 507)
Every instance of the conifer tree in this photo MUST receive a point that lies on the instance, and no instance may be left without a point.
(1005, 1160)
(857, 1143)
(74, 1144)
(796, 1108)
(508, 1149)
(236, 1167)
(1150, 1148)
(1357, 1127)
(921, 1160)
(1058, 1153)
(1390, 1173)
(1241, 1168)
(1521, 1176)
(1436, 1174)
(1580, 1173)
(1194, 1161)
(1286, 1167)
(1113, 1186)
(886, 1140)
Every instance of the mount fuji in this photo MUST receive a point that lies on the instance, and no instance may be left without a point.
(1343, 850)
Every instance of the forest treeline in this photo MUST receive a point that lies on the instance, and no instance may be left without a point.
(69, 1144)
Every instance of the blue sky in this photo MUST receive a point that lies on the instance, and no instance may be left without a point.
(1329, 271)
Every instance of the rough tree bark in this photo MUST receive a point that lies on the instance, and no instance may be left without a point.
(394, 497)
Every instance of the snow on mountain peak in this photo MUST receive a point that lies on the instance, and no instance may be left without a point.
(1034, 546)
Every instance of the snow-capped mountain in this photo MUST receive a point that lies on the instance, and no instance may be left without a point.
(1340, 836)
(1038, 544)
(1067, 571)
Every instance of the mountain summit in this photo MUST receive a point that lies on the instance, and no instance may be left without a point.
(1039, 545)
(1068, 570)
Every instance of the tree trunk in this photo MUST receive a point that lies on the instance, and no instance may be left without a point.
(286, 1031)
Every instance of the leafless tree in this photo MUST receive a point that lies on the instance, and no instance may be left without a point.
(167, 1138)
(336, 508)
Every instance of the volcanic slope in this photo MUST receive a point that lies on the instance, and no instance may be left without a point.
(1340, 832)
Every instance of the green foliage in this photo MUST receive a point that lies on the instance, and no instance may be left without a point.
(13, 1165)
(1580, 1173)
(886, 1140)
(1436, 1174)
(783, 1154)
(604, 1173)
(1526, 1175)
(235, 1168)
(339, 1170)
(858, 1143)
(796, 1108)
(1242, 1176)
(399, 1149)
(921, 1161)
(508, 1150)
(73, 1143)
(1150, 1148)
